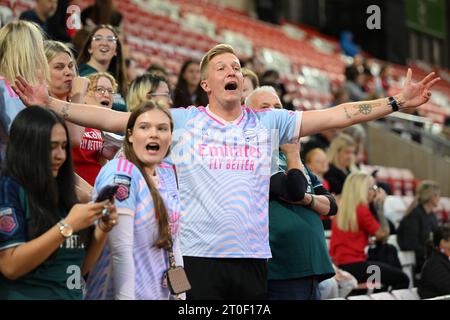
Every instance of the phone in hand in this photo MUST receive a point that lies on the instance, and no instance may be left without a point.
(107, 192)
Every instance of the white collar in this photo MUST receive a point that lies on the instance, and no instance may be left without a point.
(235, 121)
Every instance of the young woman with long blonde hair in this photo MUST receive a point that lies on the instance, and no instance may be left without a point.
(353, 226)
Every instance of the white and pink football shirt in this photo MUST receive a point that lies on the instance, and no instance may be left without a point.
(224, 173)
(131, 266)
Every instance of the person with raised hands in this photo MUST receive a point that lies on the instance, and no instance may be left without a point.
(64, 84)
(231, 145)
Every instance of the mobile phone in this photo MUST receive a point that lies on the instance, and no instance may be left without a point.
(107, 192)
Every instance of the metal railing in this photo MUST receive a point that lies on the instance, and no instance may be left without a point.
(420, 126)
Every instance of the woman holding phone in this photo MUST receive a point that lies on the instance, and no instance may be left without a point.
(47, 240)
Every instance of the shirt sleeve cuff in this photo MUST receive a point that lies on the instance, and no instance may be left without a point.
(298, 125)
(11, 245)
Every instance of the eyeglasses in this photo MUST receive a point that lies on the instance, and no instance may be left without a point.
(166, 95)
(102, 90)
(99, 38)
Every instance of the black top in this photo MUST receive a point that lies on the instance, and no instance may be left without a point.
(115, 20)
(31, 15)
(293, 185)
(182, 98)
(435, 279)
(316, 141)
(57, 24)
(336, 178)
(55, 27)
(414, 230)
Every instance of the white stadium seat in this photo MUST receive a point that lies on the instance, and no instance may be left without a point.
(360, 297)
(406, 294)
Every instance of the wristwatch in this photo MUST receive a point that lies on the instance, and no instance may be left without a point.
(393, 103)
(65, 229)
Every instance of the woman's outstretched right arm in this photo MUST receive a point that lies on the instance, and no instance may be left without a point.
(91, 116)
(84, 115)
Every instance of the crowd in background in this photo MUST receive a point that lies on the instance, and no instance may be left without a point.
(94, 67)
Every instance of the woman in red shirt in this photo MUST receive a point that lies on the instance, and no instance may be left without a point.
(90, 155)
(352, 228)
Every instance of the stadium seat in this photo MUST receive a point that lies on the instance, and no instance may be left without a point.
(394, 209)
(444, 205)
(360, 297)
(393, 240)
(409, 183)
(406, 294)
(446, 297)
(440, 212)
(408, 261)
(395, 180)
(382, 296)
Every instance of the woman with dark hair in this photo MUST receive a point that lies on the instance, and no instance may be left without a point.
(101, 12)
(133, 263)
(188, 91)
(102, 52)
(46, 239)
(435, 277)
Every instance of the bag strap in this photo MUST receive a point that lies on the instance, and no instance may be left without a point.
(170, 250)
(176, 176)
(172, 262)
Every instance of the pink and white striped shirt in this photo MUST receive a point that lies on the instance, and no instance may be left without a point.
(131, 266)
(224, 173)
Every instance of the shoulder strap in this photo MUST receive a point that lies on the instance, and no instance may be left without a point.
(176, 177)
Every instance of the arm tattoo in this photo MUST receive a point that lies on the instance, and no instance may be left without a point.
(346, 113)
(65, 111)
(364, 109)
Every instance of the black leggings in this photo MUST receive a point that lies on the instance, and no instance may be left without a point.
(389, 275)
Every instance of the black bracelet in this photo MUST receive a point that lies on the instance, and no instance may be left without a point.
(311, 204)
(393, 103)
